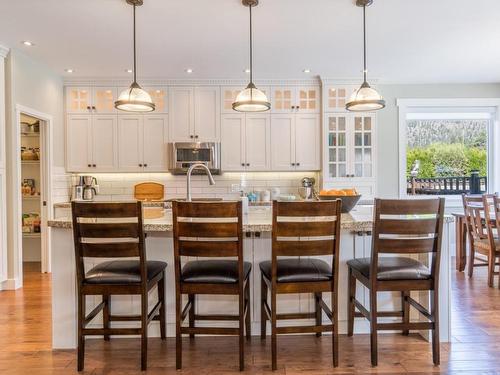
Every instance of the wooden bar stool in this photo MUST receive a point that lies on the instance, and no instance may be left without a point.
(114, 230)
(210, 229)
(302, 230)
(400, 227)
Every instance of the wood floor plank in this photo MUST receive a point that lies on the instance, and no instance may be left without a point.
(25, 343)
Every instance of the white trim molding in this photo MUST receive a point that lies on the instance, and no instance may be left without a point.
(3, 173)
(491, 105)
(4, 51)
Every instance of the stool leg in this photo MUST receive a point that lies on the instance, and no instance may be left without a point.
(373, 327)
(471, 260)
(406, 310)
(335, 332)
(106, 312)
(248, 317)
(435, 331)
(178, 336)
(491, 269)
(241, 326)
(317, 298)
(351, 295)
(263, 301)
(144, 329)
(81, 337)
(192, 299)
(274, 345)
(161, 298)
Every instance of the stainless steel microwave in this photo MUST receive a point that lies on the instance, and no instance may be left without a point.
(184, 154)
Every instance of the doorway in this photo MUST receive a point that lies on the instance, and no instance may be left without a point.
(32, 190)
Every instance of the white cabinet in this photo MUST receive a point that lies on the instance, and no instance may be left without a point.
(336, 96)
(229, 94)
(99, 99)
(142, 143)
(349, 151)
(295, 142)
(159, 95)
(195, 114)
(207, 114)
(292, 99)
(245, 142)
(91, 143)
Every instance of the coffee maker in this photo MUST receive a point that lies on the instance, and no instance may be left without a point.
(85, 189)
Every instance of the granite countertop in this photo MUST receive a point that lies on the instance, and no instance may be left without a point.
(259, 219)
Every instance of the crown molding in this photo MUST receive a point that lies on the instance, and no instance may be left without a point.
(4, 51)
(125, 82)
(346, 81)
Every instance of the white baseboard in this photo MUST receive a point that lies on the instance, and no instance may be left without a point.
(10, 284)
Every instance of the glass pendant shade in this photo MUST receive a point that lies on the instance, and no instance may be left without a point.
(365, 99)
(135, 99)
(251, 99)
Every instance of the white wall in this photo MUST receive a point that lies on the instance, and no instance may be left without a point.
(32, 85)
(388, 138)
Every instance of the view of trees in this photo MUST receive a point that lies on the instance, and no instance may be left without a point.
(447, 147)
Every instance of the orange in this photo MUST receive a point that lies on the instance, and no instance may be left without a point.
(350, 192)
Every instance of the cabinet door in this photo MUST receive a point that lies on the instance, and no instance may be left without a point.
(207, 114)
(336, 97)
(160, 98)
(181, 104)
(78, 143)
(104, 99)
(104, 143)
(130, 143)
(155, 143)
(282, 99)
(233, 143)
(336, 158)
(258, 142)
(78, 99)
(307, 142)
(282, 152)
(362, 160)
(307, 99)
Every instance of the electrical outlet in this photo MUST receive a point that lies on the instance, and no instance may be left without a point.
(235, 188)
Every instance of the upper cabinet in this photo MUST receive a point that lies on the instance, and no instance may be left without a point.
(350, 146)
(293, 99)
(229, 94)
(159, 95)
(91, 100)
(335, 97)
(195, 114)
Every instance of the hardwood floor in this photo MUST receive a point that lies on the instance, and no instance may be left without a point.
(25, 346)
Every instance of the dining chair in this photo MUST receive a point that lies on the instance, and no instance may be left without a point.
(301, 232)
(210, 229)
(410, 228)
(491, 247)
(115, 230)
(482, 239)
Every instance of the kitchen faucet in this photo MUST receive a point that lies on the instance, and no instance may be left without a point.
(190, 170)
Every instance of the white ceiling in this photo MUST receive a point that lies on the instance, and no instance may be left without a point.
(423, 41)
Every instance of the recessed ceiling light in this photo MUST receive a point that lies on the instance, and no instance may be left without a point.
(247, 71)
(69, 70)
(188, 70)
(306, 71)
(28, 43)
(130, 71)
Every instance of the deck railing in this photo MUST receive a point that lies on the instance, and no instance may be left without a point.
(474, 184)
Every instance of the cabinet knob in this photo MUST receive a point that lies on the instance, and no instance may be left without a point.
(242, 164)
(297, 164)
(196, 136)
(293, 107)
(89, 165)
(93, 108)
(140, 165)
(293, 164)
(191, 136)
(93, 165)
(145, 165)
(88, 108)
(248, 164)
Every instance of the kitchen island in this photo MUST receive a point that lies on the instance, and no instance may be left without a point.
(355, 243)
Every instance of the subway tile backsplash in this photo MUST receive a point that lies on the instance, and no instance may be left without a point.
(120, 186)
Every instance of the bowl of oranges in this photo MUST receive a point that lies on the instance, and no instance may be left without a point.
(349, 197)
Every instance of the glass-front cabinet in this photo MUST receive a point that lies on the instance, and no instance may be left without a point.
(303, 99)
(336, 97)
(349, 151)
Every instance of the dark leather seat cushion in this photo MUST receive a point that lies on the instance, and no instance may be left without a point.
(213, 271)
(122, 272)
(298, 270)
(392, 268)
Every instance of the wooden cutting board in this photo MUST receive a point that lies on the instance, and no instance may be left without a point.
(149, 191)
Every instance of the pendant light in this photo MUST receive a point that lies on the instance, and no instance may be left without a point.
(251, 99)
(365, 98)
(135, 99)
